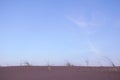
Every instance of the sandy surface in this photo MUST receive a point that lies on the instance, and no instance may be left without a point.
(59, 73)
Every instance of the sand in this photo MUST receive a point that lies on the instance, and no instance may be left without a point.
(59, 73)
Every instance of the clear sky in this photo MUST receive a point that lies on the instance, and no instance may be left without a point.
(59, 31)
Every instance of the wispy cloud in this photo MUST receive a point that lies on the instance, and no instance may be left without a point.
(82, 23)
(88, 27)
(85, 26)
(94, 49)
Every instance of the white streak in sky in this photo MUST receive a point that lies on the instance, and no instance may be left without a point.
(84, 25)
(79, 23)
(93, 48)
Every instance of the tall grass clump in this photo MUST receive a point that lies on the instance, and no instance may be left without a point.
(49, 67)
(87, 62)
(68, 64)
(113, 68)
(27, 63)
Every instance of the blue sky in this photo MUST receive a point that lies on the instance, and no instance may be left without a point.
(59, 31)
